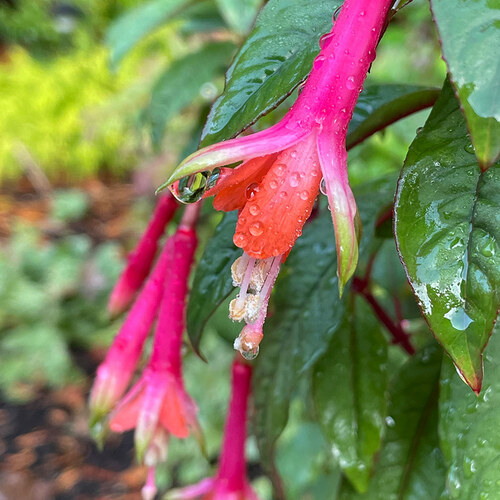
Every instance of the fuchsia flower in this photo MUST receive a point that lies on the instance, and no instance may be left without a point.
(115, 373)
(141, 258)
(158, 404)
(276, 185)
(231, 481)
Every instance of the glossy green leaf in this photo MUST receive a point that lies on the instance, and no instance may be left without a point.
(352, 413)
(470, 38)
(275, 58)
(239, 14)
(307, 312)
(447, 222)
(127, 30)
(212, 281)
(469, 430)
(182, 82)
(380, 105)
(410, 464)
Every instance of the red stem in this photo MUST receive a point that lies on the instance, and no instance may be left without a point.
(398, 334)
(232, 464)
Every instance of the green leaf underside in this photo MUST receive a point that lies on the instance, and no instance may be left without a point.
(275, 58)
(127, 30)
(212, 281)
(469, 430)
(447, 224)
(306, 312)
(470, 39)
(410, 464)
(181, 83)
(349, 390)
(381, 105)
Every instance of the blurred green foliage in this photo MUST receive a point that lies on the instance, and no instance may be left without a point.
(53, 295)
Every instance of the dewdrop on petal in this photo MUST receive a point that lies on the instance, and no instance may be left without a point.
(248, 342)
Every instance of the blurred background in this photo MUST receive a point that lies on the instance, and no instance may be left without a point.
(93, 115)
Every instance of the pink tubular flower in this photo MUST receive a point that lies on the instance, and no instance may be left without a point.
(231, 481)
(115, 372)
(276, 185)
(158, 404)
(141, 258)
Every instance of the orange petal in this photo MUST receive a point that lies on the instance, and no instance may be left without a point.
(273, 219)
(231, 190)
(126, 414)
(173, 412)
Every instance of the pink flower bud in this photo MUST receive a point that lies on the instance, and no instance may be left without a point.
(141, 258)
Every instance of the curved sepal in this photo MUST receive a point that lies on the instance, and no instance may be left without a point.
(346, 222)
(276, 138)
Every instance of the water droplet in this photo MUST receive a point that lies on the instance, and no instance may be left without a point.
(350, 83)
(294, 179)
(419, 129)
(254, 209)
(283, 194)
(280, 170)
(488, 250)
(250, 352)
(304, 195)
(191, 188)
(318, 62)
(256, 229)
(293, 154)
(362, 13)
(325, 40)
(251, 190)
(322, 187)
(470, 149)
(273, 184)
(390, 422)
(240, 239)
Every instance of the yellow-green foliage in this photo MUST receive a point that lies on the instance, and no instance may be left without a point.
(56, 110)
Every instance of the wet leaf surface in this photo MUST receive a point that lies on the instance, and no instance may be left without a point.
(447, 222)
(469, 430)
(380, 105)
(275, 58)
(470, 38)
(306, 311)
(352, 412)
(410, 464)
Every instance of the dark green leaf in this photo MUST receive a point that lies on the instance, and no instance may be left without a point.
(275, 58)
(128, 29)
(470, 39)
(239, 14)
(212, 281)
(447, 220)
(410, 464)
(380, 105)
(351, 413)
(469, 430)
(307, 313)
(181, 83)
